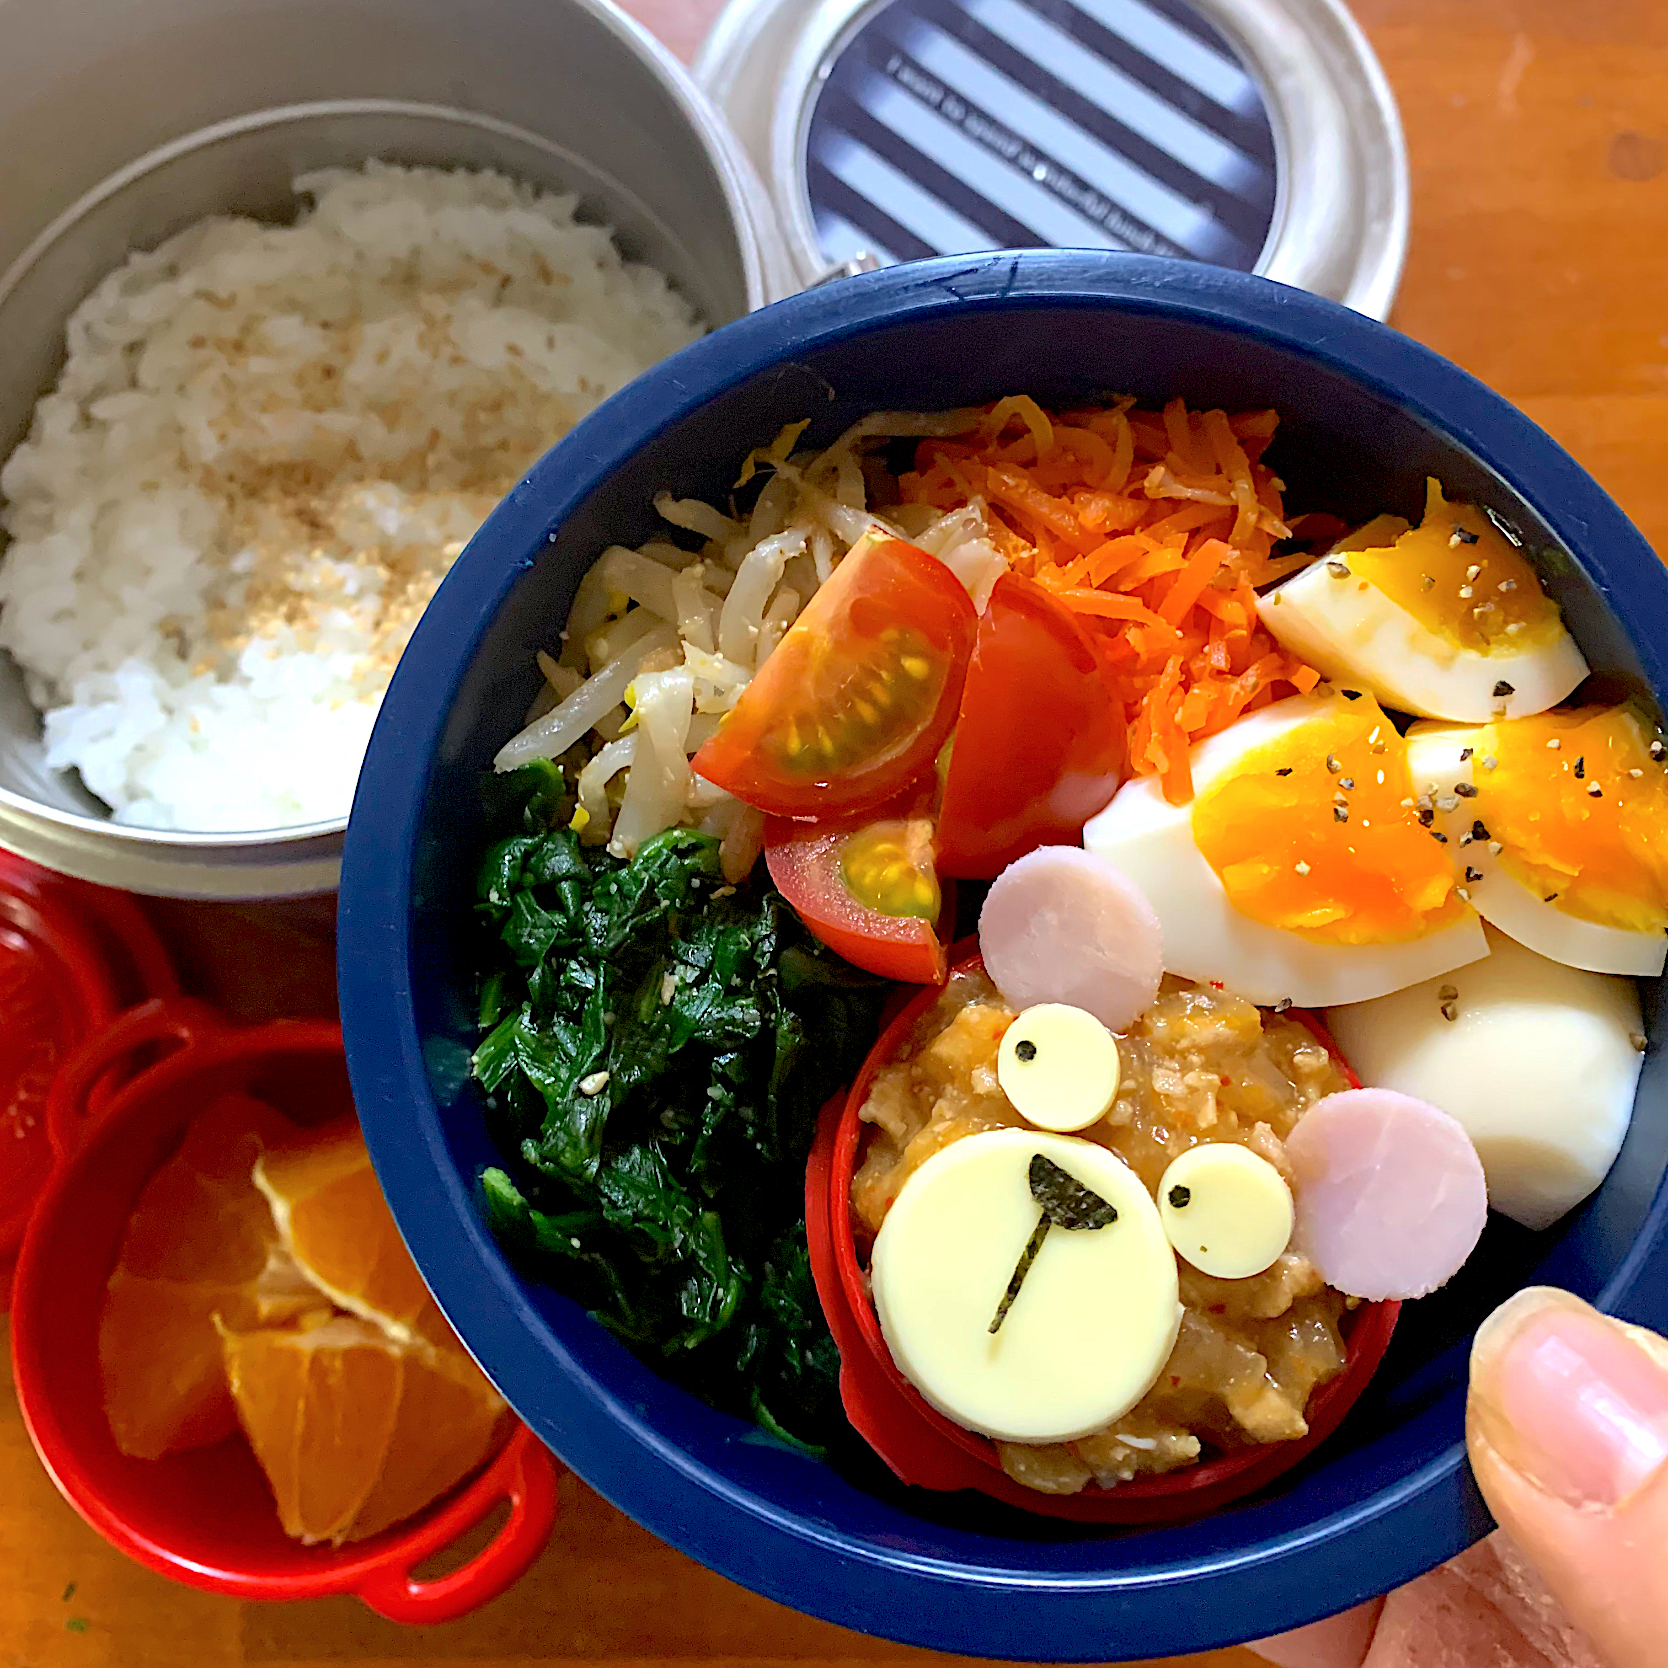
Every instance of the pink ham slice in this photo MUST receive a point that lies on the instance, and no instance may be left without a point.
(1390, 1193)
(1060, 925)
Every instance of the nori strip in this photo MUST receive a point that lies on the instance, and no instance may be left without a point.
(1066, 1203)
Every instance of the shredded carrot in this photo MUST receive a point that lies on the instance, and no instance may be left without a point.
(1154, 564)
(1157, 529)
(1115, 554)
(1108, 605)
(1202, 567)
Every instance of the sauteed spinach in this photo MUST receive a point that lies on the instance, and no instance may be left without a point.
(655, 1048)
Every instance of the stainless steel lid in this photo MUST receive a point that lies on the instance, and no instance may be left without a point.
(1258, 134)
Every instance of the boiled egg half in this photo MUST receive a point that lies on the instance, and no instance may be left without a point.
(1556, 830)
(1538, 1061)
(1300, 871)
(1448, 620)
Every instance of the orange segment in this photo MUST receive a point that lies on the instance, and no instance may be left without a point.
(200, 1242)
(333, 1220)
(356, 1431)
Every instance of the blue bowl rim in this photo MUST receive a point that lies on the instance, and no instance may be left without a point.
(1381, 1541)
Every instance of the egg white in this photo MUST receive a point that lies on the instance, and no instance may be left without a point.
(1206, 937)
(1357, 636)
(1539, 1063)
(1435, 762)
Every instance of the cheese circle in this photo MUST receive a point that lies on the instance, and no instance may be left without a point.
(1226, 1209)
(1059, 1067)
(1095, 1319)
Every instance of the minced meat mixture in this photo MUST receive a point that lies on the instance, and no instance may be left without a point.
(1200, 1065)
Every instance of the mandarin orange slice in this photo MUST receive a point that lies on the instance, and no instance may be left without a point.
(200, 1243)
(355, 1430)
(332, 1219)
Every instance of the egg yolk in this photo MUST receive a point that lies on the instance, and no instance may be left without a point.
(1460, 578)
(1579, 806)
(1316, 832)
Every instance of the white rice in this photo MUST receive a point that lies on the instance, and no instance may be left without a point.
(267, 446)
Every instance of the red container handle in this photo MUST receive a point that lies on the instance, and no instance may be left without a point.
(145, 951)
(75, 1102)
(526, 1475)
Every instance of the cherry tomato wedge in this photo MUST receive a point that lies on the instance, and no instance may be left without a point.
(859, 695)
(867, 887)
(1039, 743)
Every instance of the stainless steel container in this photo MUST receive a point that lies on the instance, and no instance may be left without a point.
(1253, 133)
(123, 123)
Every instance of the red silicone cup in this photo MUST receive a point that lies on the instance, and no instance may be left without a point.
(922, 1446)
(206, 1517)
(71, 956)
(131, 955)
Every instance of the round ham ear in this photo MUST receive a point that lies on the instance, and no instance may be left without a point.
(1390, 1193)
(1061, 925)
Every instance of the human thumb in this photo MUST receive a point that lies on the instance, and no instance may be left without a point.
(1567, 1425)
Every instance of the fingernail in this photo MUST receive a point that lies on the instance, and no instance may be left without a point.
(1573, 1401)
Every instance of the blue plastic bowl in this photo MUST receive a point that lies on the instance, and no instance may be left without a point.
(1366, 415)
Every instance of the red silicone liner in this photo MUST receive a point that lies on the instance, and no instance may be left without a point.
(206, 1517)
(926, 1449)
(72, 956)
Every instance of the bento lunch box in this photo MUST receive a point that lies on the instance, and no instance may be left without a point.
(1366, 416)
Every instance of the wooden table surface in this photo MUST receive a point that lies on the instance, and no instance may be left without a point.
(1539, 139)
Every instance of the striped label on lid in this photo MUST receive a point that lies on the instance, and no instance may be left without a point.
(948, 126)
